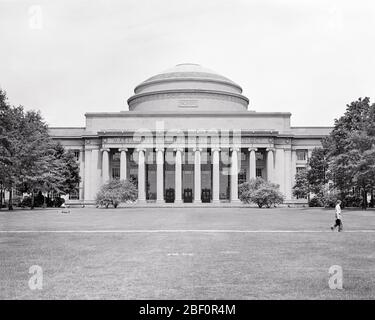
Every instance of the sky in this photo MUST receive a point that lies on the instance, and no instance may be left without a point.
(69, 57)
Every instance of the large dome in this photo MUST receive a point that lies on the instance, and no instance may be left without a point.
(186, 87)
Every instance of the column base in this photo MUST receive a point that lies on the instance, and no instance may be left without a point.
(160, 201)
(197, 201)
(178, 202)
(141, 201)
(236, 201)
(216, 201)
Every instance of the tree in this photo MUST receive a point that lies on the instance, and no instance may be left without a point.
(38, 167)
(260, 192)
(68, 170)
(29, 160)
(116, 191)
(10, 144)
(351, 147)
(316, 173)
(301, 189)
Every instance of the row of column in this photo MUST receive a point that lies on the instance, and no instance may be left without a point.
(178, 175)
(281, 171)
(178, 172)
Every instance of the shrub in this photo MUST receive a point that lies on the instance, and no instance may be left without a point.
(260, 192)
(325, 199)
(58, 201)
(115, 192)
(315, 202)
(353, 201)
(329, 200)
(26, 202)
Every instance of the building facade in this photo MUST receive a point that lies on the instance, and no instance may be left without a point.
(188, 137)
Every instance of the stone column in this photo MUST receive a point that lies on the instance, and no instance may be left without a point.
(178, 176)
(141, 176)
(288, 174)
(252, 163)
(159, 175)
(96, 171)
(270, 164)
(87, 181)
(197, 175)
(294, 168)
(215, 175)
(105, 165)
(234, 176)
(82, 175)
(123, 163)
(279, 172)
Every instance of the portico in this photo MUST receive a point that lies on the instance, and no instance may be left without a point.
(189, 137)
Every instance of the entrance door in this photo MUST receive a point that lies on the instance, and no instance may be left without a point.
(206, 195)
(169, 195)
(188, 195)
(188, 182)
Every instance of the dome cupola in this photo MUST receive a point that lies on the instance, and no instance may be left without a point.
(188, 87)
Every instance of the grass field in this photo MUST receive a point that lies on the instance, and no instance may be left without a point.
(186, 253)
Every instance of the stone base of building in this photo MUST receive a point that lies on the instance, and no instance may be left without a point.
(181, 204)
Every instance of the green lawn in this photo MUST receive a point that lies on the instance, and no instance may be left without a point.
(268, 264)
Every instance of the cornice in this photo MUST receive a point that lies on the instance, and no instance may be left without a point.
(184, 113)
(198, 79)
(198, 93)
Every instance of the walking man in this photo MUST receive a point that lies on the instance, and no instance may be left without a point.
(338, 222)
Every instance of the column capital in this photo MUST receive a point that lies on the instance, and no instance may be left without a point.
(197, 149)
(105, 149)
(235, 149)
(216, 149)
(178, 149)
(270, 149)
(252, 149)
(123, 149)
(159, 149)
(141, 149)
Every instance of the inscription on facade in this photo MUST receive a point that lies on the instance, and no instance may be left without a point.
(188, 103)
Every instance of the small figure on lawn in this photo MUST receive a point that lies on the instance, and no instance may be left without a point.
(338, 221)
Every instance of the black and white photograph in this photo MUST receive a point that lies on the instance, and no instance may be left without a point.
(201, 151)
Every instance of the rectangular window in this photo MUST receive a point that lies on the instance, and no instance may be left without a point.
(76, 155)
(258, 172)
(115, 173)
(242, 176)
(301, 155)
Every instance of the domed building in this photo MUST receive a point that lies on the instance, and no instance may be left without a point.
(188, 137)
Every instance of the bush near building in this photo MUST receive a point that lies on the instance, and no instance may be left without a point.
(116, 191)
(260, 192)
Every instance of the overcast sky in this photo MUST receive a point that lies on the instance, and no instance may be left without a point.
(68, 57)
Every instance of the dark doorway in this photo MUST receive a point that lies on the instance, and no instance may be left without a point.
(188, 195)
(169, 195)
(206, 195)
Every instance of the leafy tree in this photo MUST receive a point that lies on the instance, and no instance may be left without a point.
(317, 169)
(116, 191)
(301, 189)
(10, 143)
(260, 192)
(68, 168)
(37, 165)
(351, 147)
(29, 160)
